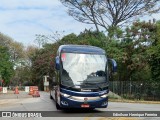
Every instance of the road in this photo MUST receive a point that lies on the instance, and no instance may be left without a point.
(24, 102)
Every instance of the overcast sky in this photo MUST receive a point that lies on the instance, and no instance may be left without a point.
(22, 19)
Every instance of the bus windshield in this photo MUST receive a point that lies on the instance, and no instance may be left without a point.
(78, 69)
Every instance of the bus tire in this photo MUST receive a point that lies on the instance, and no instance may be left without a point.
(51, 96)
(57, 105)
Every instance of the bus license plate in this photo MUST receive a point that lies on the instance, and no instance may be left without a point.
(85, 106)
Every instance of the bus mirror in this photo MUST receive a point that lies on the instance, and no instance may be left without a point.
(57, 61)
(114, 65)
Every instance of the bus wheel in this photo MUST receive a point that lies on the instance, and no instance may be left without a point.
(58, 107)
(51, 96)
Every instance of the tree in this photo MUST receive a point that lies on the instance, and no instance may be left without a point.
(69, 39)
(14, 57)
(16, 49)
(23, 71)
(44, 39)
(6, 66)
(109, 13)
(154, 52)
(43, 63)
(129, 47)
(135, 42)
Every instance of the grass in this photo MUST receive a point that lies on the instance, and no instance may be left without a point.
(116, 98)
(133, 101)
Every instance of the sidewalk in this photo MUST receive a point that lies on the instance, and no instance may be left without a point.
(11, 95)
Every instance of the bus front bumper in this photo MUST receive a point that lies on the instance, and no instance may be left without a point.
(79, 102)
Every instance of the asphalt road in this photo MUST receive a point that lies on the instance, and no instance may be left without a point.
(24, 102)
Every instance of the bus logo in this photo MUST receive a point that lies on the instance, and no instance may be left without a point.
(85, 90)
(85, 99)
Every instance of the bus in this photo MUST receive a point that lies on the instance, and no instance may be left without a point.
(82, 77)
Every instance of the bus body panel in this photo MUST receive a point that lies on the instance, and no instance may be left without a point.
(68, 98)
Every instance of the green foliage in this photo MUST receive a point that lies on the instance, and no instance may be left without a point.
(14, 57)
(136, 50)
(43, 63)
(114, 32)
(93, 38)
(69, 39)
(6, 66)
(134, 45)
(154, 54)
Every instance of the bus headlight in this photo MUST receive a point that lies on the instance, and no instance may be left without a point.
(65, 95)
(104, 96)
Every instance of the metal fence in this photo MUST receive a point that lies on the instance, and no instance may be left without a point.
(140, 90)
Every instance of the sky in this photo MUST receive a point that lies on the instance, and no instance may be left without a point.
(23, 19)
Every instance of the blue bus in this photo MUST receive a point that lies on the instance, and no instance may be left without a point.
(82, 77)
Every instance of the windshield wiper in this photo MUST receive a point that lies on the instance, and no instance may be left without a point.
(88, 83)
(105, 82)
(71, 86)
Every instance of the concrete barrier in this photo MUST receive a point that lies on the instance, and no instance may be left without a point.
(27, 89)
(1, 89)
(4, 89)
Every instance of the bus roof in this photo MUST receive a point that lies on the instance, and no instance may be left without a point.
(81, 49)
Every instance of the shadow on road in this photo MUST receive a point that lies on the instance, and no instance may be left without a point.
(78, 110)
(81, 110)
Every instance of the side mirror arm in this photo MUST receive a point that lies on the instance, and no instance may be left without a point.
(57, 63)
(114, 65)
